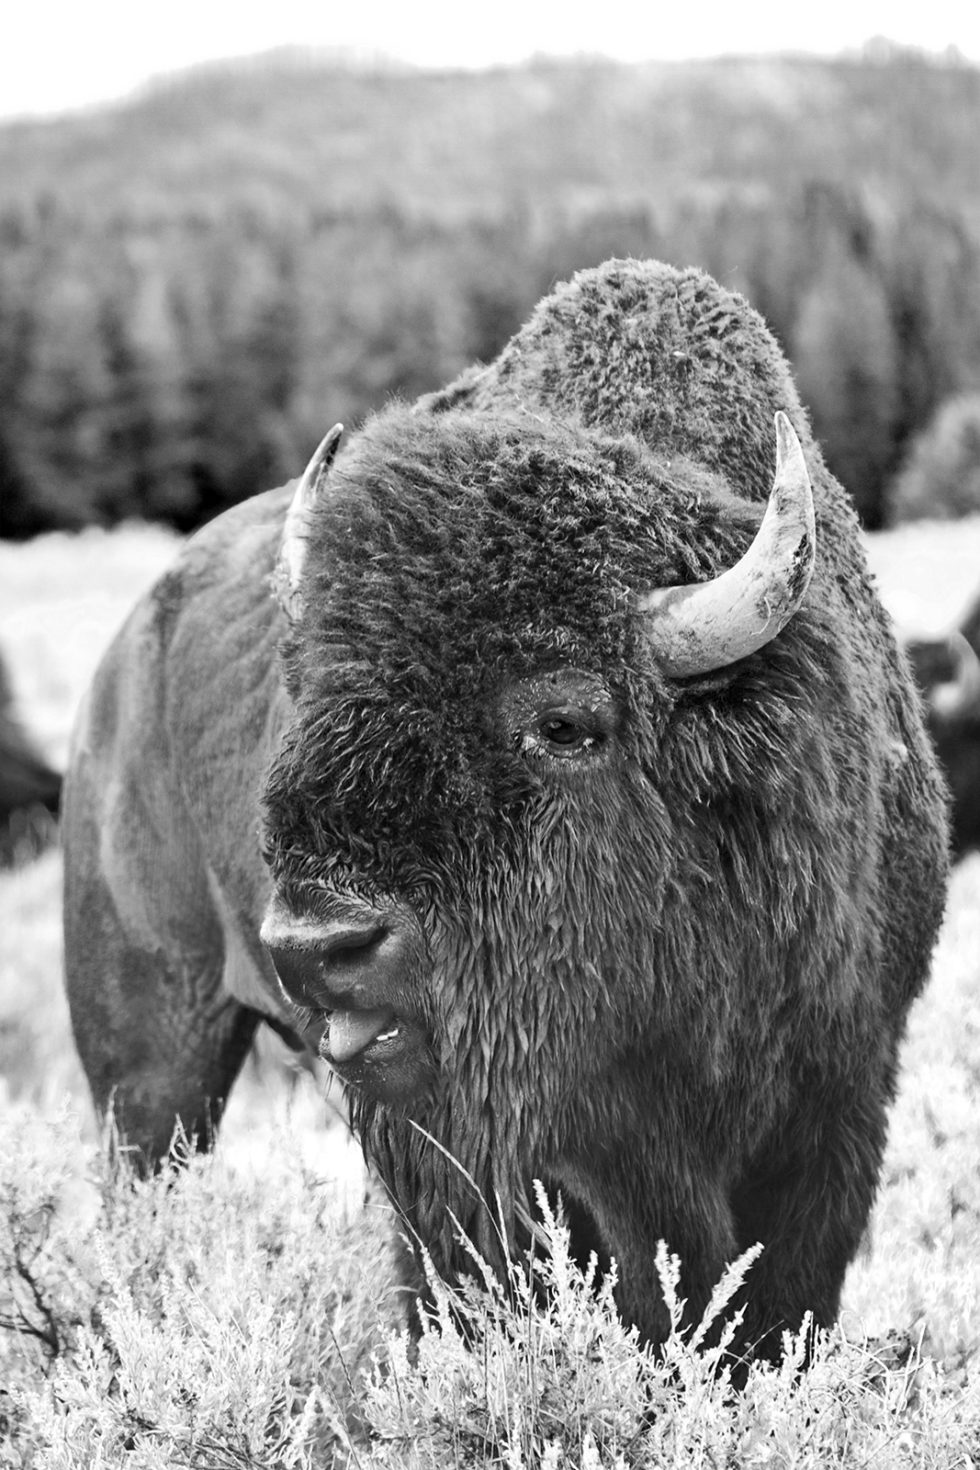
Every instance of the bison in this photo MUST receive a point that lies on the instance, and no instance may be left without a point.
(947, 671)
(30, 790)
(570, 797)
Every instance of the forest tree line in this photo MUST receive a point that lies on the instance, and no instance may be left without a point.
(167, 361)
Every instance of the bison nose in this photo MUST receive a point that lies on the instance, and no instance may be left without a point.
(361, 962)
(326, 963)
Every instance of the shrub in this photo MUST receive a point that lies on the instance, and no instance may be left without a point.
(205, 1317)
(546, 1377)
(233, 1322)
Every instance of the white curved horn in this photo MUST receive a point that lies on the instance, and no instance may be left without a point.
(962, 692)
(707, 625)
(292, 548)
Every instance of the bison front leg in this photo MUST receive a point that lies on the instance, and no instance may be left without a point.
(807, 1200)
(637, 1203)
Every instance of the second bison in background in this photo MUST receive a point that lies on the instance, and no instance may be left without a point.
(30, 791)
(572, 799)
(947, 670)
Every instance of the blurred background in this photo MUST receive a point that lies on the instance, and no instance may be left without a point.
(221, 231)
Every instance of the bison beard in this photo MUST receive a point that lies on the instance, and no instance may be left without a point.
(559, 898)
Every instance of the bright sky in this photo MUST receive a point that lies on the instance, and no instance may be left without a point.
(62, 54)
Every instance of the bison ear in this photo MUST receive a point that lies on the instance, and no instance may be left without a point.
(292, 549)
(708, 625)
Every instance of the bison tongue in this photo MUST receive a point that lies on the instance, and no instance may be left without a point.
(352, 1031)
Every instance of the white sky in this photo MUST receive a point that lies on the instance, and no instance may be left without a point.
(62, 54)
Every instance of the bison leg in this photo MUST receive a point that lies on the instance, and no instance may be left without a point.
(808, 1204)
(689, 1211)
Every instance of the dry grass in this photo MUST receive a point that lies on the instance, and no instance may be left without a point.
(214, 1321)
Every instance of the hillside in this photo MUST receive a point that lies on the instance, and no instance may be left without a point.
(452, 145)
(194, 283)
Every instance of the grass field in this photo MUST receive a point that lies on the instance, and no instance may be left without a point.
(229, 1319)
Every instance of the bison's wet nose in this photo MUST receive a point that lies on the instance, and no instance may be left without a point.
(363, 962)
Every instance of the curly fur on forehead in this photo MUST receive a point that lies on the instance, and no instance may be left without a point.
(498, 539)
(452, 555)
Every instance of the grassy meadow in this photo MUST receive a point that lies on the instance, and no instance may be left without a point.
(245, 1313)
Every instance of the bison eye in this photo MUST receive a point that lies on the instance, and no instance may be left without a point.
(563, 734)
(559, 717)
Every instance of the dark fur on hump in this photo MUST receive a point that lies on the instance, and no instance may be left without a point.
(637, 976)
(668, 355)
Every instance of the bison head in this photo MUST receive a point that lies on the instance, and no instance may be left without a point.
(521, 677)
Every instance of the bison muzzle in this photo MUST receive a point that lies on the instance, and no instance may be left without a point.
(356, 971)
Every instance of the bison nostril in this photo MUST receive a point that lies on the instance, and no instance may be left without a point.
(340, 964)
(352, 946)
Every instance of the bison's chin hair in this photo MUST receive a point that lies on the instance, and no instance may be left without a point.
(407, 1084)
(456, 1223)
(497, 1239)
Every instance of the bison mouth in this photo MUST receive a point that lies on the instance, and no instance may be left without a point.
(351, 1033)
(378, 1051)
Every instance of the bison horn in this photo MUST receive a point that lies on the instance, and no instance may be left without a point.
(292, 550)
(962, 692)
(708, 625)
